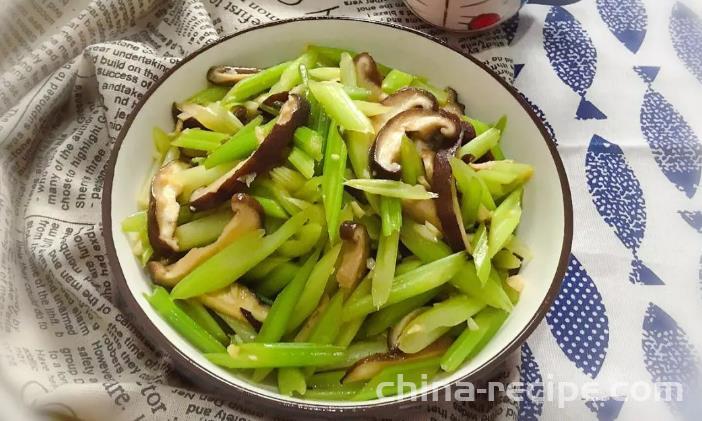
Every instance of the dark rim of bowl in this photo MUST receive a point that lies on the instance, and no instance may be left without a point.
(213, 383)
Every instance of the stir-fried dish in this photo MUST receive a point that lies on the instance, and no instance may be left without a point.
(327, 223)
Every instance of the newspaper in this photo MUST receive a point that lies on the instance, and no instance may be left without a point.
(70, 73)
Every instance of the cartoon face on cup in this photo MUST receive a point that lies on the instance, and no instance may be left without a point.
(465, 15)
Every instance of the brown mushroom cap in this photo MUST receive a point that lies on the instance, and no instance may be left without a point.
(439, 127)
(368, 367)
(422, 211)
(233, 299)
(403, 100)
(162, 215)
(453, 105)
(447, 205)
(188, 123)
(355, 251)
(229, 75)
(367, 74)
(270, 153)
(247, 216)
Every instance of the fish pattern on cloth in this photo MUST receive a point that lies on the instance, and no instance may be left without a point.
(71, 75)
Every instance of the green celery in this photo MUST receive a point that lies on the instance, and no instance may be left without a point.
(325, 73)
(383, 319)
(480, 254)
(359, 350)
(303, 241)
(291, 380)
(287, 178)
(238, 146)
(274, 326)
(413, 373)
(384, 270)
(422, 247)
(309, 141)
(391, 188)
(390, 214)
(182, 323)
(479, 146)
(314, 288)
(332, 180)
(445, 314)
(279, 354)
(410, 284)
(440, 94)
(411, 163)
(302, 162)
(271, 207)
(340, 107)
(198, 139)
(254, 84)
(504, 221)
(201, 316)
(396, 80)
(162, 141)
(135, 222)
(208, 95)
(341, 393)
(278, 279)
(235, 260)
(291, 75)
(347, 70)
(469, 341)
(492, 293)
(371, 109)
(202, 231)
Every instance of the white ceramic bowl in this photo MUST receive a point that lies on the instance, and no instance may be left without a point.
(546, 222)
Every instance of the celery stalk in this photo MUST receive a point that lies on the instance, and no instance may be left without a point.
(302, 162)
(339, 106)
(492, 293)
(309, 141)
(482, 143)
(325, 73)
(182, 323)
(480, 254)
(422, 247)
(202, 231)
(383, 319)
(202, 140)
(291, 380)
(468, 343)
(201, 316)
(410, 284)
(445, 314)
(347, 70)
(291, 75)
(391, 188)
(208, 95)
(235, 260)
(314, 288)
(280, 354)
(504, 221)
(277, 280)
(396, 80)
(332, 180)
(271, 207)
(238, 146)
(411, 163)
(254, 84)
(384, 268)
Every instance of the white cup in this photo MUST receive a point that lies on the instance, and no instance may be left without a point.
(465, 15)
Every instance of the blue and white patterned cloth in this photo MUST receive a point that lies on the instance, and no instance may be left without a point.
(620, 84)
